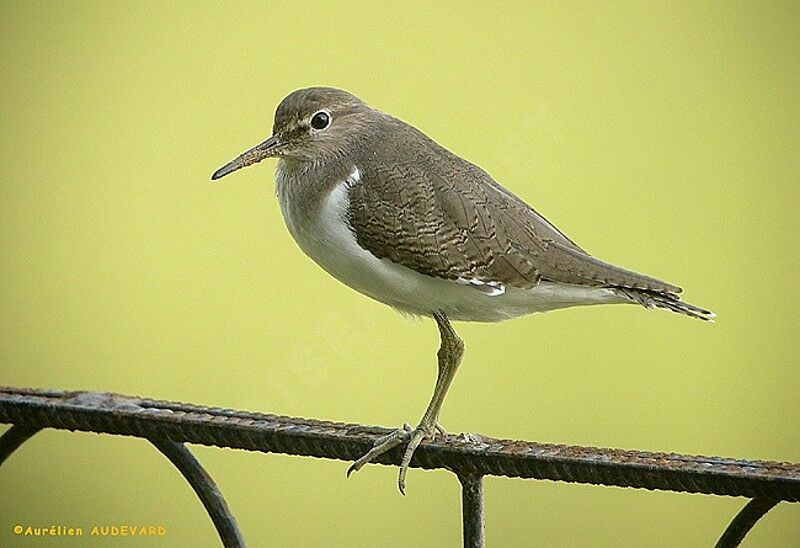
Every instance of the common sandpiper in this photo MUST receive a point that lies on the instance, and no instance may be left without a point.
(389, 212)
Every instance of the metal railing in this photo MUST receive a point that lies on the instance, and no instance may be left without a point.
(169, 425)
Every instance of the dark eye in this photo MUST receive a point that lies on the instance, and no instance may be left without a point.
(320, 120)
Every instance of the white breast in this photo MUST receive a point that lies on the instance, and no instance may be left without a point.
(330, 242)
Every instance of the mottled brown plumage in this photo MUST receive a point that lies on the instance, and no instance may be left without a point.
(442, 216)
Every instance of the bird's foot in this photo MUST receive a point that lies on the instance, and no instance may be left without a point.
(410, 436)
(381, 446)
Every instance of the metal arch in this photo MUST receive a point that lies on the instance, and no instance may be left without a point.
(744, 521)
(13, 438)
(206, 490)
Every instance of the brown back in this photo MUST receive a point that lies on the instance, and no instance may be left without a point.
(421, 206)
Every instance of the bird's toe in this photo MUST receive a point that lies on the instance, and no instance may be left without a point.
(381, 446)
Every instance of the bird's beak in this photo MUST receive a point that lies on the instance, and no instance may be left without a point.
(265, 150)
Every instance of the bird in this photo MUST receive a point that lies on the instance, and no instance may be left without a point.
(391, 213)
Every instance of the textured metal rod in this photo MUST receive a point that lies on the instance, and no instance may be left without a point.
(13, 438)
(744, 521)
(207, 491)
(472, 510)
(123, 415)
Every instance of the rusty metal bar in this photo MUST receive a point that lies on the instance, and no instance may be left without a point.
(472, 510)
(123, 415)
(206, 490)
(744, 521)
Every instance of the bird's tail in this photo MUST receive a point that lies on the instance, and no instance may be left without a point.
(667, 301)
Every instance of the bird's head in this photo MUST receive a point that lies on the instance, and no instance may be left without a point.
(310, 124)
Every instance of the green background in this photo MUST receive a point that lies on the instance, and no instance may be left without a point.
(663, 138)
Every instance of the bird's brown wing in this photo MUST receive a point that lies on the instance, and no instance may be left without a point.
(453, 221)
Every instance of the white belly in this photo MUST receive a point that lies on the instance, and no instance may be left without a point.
(330, 242)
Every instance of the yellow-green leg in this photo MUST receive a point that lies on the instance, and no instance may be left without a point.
(451, 350)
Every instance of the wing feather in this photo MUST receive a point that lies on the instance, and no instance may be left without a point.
(439, 215)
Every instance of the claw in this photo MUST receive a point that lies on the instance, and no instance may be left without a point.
(413, 437)
(413, 443)
(381, 446)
